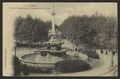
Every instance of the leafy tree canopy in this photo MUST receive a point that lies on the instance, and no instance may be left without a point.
(95, 31)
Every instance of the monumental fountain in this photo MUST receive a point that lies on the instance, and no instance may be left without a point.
(53, 55)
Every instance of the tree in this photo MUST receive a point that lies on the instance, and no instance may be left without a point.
(29, 29)
(96, 31)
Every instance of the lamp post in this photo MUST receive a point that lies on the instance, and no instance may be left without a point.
(15, 50)
(112, 61)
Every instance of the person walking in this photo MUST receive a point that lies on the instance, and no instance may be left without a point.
(106, 53)
(102, 51)
(113, 52)
(25, 70)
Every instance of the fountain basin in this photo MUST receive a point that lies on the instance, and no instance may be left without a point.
(34, 61)
(51, 60)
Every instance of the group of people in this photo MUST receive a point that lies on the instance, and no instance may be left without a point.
(19, 68)
(30, 45)
(107, 52)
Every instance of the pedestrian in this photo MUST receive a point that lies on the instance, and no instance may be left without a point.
(25, 70)
(113, 52)
(75, 49)
(106, 52)
(102, 51)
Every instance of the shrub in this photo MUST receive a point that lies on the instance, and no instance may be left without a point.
(92, 54)
(71, 66)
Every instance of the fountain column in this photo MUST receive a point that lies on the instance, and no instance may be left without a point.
(53, 32)
(53, 22)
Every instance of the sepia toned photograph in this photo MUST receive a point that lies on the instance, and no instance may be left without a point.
(60, 39)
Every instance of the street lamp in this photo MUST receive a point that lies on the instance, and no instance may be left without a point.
(112, 62)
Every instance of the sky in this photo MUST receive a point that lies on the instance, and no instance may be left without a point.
(62, 9)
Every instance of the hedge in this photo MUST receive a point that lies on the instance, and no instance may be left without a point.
(71, 66)
(92, 54)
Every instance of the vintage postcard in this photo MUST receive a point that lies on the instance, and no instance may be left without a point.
(60, 39)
